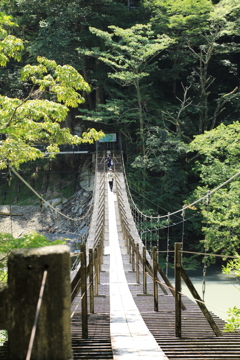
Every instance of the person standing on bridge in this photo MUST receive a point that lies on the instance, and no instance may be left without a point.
(110, 177)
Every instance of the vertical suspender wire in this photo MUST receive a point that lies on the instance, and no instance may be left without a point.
(134, 215)
(144, 231)
(205, 256)
(137, 219)
(156, 237)
(138, 227)
(141, 227)
(11, 219)
(151, 232)
(183, 223)
(131, 206)
(57, 219)
(168, 240)
(158, 233)
(41, 212)
(9, 178)
(145, 234)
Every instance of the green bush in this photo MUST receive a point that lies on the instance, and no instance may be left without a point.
(233, 321)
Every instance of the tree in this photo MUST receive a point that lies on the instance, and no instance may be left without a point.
(217, 161)
(130, 53)
(55, 29)
(164, 157)
(10, 46)
(205, 35)
(185, 21)
(51, 90)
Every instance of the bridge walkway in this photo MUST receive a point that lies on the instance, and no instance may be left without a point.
(116, 329)
(105, 342)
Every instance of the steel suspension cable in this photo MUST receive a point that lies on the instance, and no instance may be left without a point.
(185, 206)
(46, 202)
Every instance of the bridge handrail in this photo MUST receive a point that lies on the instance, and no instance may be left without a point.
(94, 243)
(96, 230)
(151, 266)
(133, 242)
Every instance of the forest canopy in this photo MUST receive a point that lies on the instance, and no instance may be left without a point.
(162, 74)
(50, 90)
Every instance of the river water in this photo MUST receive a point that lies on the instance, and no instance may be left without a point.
(221, 291)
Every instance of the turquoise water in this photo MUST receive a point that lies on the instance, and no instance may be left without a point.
(221, 291)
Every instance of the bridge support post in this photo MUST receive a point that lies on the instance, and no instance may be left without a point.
(99, 252)
(133, 255)
(96, 272)
(84, 292)
(91, 289)
(178, 288)
(144, 271)
(130, 250)
(37, 301)
(137, 263)
(155, 278)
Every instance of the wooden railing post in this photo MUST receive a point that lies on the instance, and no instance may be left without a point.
(125, 234)
(91, 289)
(178, 288)
(130, 250)
(96, 271)
(99, 262)
(144, 271)
(29, 270)
(102, 247)
(133, 256)
(155, 278)
(127, 244)
(84, 292)
(137, 263)
(123, 226)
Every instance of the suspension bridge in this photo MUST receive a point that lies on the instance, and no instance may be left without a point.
(123, 305)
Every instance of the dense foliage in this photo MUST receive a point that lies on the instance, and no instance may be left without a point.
(164, 74)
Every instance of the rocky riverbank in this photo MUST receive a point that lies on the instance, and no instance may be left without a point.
(58, 218)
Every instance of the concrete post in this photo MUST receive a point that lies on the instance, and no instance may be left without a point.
(53, 332)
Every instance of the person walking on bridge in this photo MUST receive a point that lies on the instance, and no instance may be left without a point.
(108, 161)
(110, 177)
